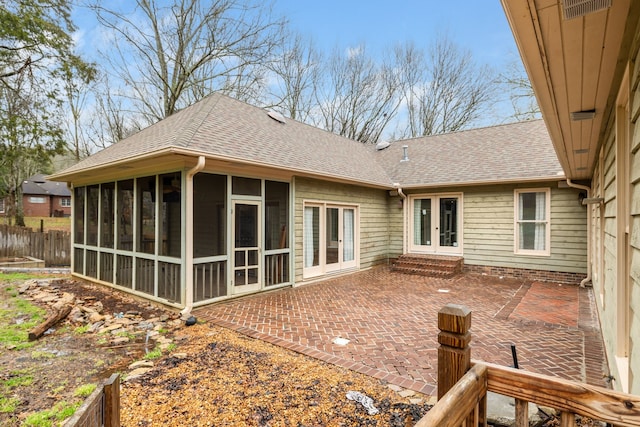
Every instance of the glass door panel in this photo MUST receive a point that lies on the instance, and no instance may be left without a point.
(449, 222)
(422, 222)
(246, 251)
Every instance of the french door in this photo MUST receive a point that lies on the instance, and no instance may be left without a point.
(330, 238)
(436, 224)
(246, 246)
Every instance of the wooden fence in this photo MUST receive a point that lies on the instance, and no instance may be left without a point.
(102, 408)
(53, 247)
(462, 389)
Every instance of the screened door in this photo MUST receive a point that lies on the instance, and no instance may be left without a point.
(246, 247)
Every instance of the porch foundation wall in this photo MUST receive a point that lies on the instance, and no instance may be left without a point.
(526, 274)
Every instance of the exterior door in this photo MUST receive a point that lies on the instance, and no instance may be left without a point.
(436, 224)
(247, 252)
(340, 238)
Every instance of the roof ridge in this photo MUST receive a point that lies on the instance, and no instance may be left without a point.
(185, 138)
(519, 122)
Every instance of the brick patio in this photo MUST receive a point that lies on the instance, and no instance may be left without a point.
(390, 320)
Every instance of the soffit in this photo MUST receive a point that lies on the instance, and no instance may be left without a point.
(573, 66)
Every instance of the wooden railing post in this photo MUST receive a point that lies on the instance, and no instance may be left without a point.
(112, 401)
(454, 353)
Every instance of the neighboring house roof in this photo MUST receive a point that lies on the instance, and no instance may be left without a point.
(222, 128)
(514, 152)
(38, 185)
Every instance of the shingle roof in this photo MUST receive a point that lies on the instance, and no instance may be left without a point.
(37, 184)
(512, 152)
(219, 126)
(224, 128)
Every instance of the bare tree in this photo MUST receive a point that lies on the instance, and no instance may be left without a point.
(297, 71)
(517, 84)
(360, 98)
(450, 92)
(170, 57)
(109, 121)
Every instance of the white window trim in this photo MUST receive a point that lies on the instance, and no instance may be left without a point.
(321, 268)
(2, 203)
(68, 200)
(516, 233)
(37, 199)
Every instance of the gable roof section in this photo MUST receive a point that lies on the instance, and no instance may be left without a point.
(38, 185)
(220, 127)
(517, 152)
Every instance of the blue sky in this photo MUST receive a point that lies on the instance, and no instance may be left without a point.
(477, 25)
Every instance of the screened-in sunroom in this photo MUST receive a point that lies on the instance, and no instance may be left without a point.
(184, 239)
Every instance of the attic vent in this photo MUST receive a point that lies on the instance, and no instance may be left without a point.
(382, 145)
(276, 116)
(577, 8)
(405, 153)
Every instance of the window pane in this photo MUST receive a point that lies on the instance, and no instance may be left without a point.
(422, 222)
(311, 235)
(532, 206)
(209, 215)
(331, 228)
(171, 214)
(277, 215)
(146, 194)
(449, 222)
(348, 233)
(93, 193)
(78, 214)
(106, 215)
(125, 215)
(246, 186)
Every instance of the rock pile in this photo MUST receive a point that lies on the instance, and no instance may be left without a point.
(119, 328)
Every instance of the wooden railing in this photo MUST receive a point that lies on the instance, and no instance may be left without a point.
(463, 386)
(101, 408)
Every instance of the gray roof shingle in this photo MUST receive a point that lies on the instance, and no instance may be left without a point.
(512, 152)
(224, 128)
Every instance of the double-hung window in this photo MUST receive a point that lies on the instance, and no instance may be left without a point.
(532, 222)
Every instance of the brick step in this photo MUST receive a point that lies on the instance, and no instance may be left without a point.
(429, 265)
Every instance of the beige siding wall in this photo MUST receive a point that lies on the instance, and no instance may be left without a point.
(618, 289)
(489, 229)
(374, 213)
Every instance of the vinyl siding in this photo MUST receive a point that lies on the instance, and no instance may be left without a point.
(374, 221)
(489, 230)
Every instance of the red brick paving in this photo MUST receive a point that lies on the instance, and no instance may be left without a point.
(391, 322)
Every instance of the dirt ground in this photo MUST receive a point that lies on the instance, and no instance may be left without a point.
(212, 376)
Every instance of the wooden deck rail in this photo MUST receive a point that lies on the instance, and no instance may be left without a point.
(462, 399)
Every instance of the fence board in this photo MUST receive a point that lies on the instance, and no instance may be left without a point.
(53, 247)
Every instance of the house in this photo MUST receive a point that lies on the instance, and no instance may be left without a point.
(224, 199)
(581, 58)
(42, 198)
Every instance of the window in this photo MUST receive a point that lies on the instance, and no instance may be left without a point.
(65, 202)
(209, 215)
(1, 205)
(78, 217)
(532, 228)
(37, 199)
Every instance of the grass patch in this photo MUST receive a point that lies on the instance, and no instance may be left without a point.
(49, 223)
(8, 404)
(85, 390)
(156, 353)
(17, 317)
(59, 412)
(17, 379)
(81, 329)
(16, 277)
(42, 355)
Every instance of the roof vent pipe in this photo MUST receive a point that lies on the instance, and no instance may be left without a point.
(405, 153)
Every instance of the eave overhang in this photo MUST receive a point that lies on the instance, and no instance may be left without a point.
(575, 66)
